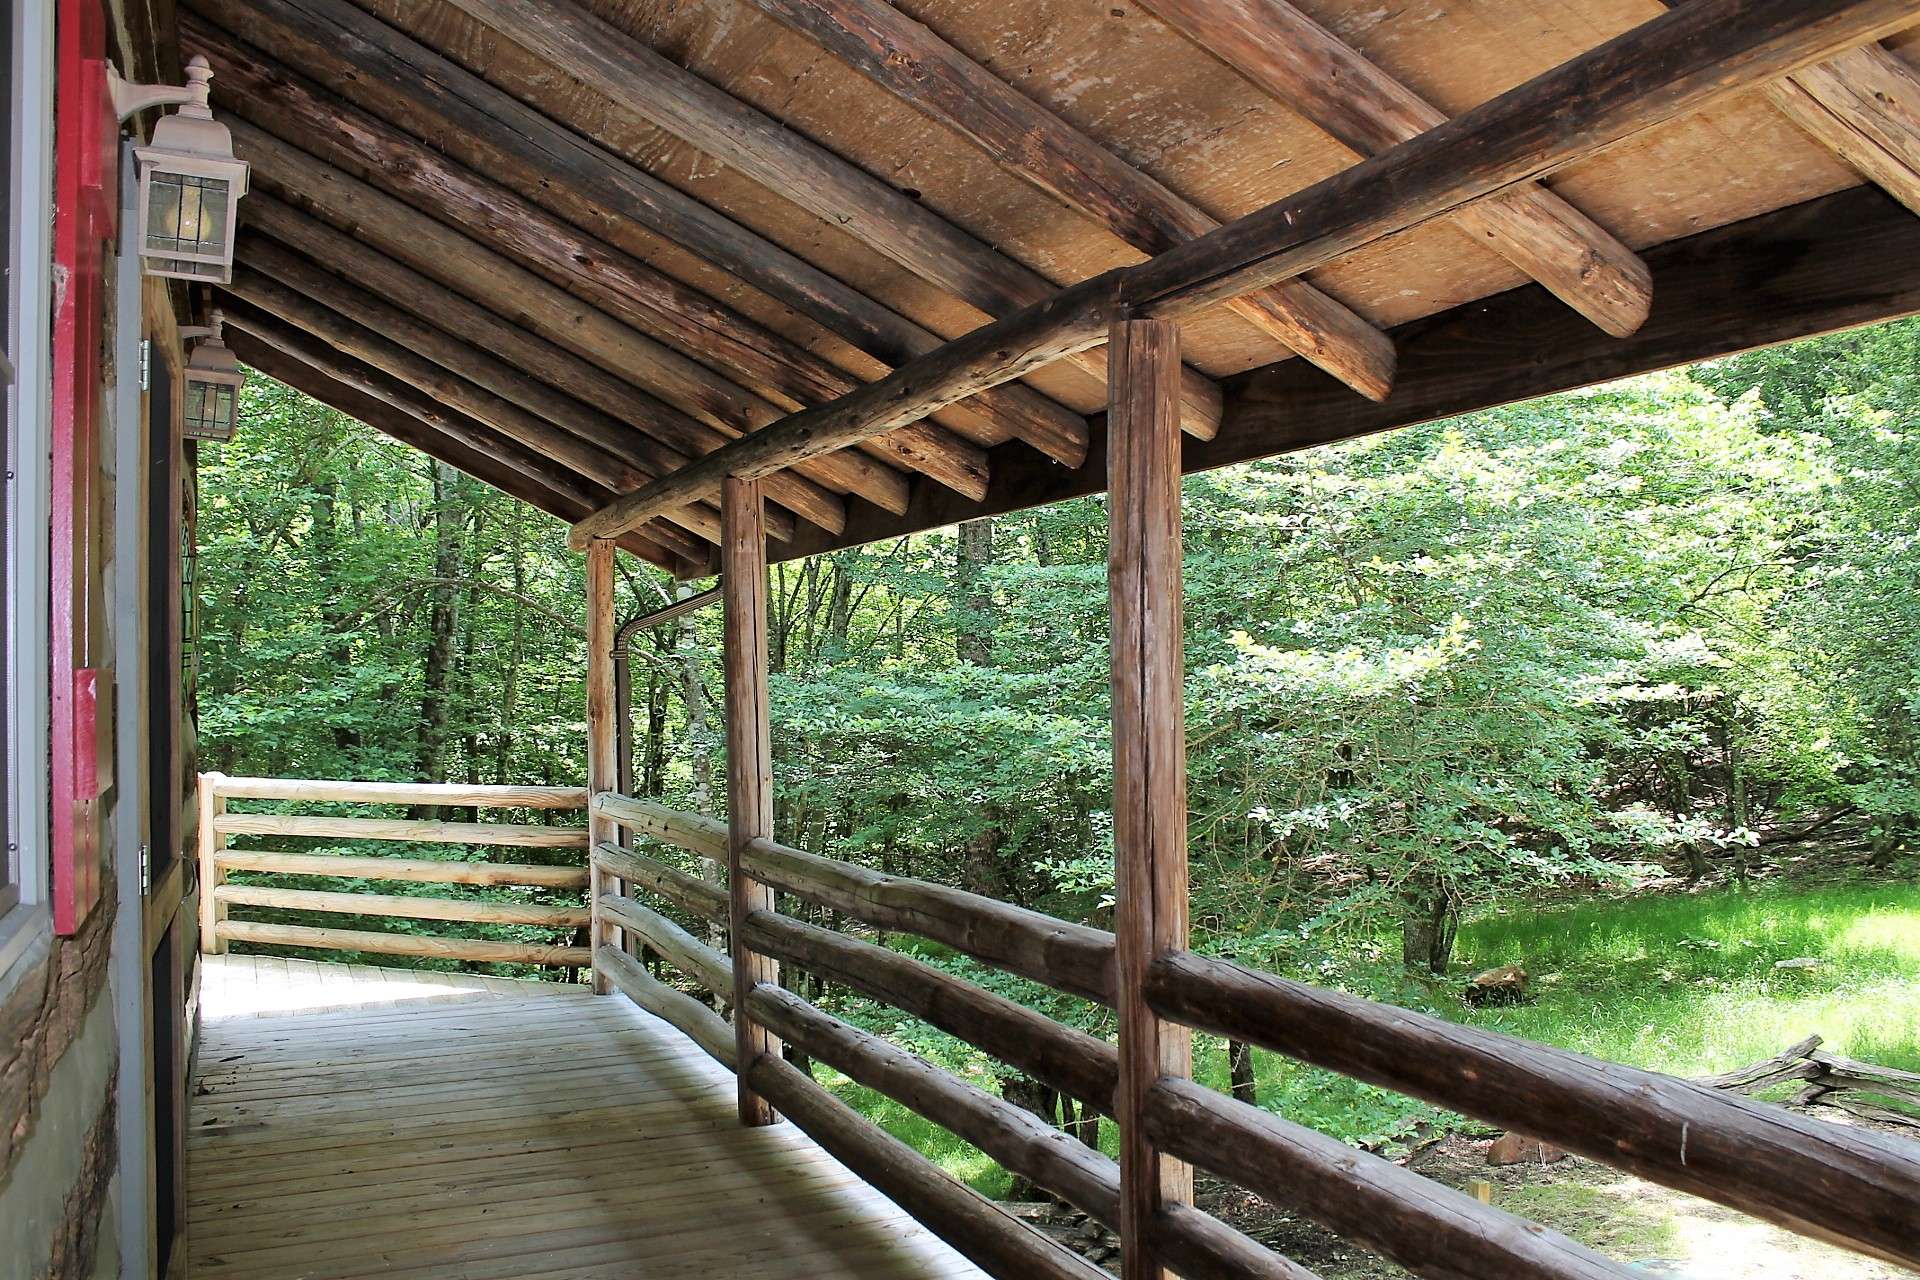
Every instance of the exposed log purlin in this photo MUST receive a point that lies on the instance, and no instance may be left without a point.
(1864, 106)
(1674, 64)
(913, 62)
(488, 468)
(343, 204)
(530, 430)
(764, 366)
(361, 57)
(1300, 63)
(474, 324)
(262, 260)
(636, 79)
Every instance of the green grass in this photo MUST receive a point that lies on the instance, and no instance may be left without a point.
(1680, 983)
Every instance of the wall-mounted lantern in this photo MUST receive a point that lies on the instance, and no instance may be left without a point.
(190, 182)
(213, 385)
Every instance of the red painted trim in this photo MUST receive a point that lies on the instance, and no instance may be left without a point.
(85, 196)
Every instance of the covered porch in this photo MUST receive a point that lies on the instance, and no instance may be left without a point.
(683, 368)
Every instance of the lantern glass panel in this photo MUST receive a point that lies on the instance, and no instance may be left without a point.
(187, 216)
(209, 411)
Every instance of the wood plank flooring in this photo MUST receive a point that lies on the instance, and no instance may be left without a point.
(473, 1131)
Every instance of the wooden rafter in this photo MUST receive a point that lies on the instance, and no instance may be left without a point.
(383, 335)
(490, 465)
(1864, 106)
(1847, 259)
(639, 81)
(1300, 63)
(679, 435)
(913, 62)
(759, 364)
(406, 364)
(1677, 63)
(402, 81)
(405, 234)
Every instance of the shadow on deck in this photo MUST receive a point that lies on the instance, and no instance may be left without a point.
(350, 1121)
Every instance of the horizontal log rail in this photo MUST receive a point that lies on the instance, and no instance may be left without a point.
(412, 870)
(423, 945)
(692, 832)
(1855, 1189)
(471, 911)
(1072, 958)
(1427, 1228)
(416, 830)
(410, 793)
(1851, 1187)
(560, 918)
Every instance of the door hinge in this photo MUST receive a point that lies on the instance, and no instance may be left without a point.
(146, 871)
(146, 362)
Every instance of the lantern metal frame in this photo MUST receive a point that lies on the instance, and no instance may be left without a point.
(188, 144)
(211, 367)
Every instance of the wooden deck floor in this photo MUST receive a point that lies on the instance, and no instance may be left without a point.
(507, 1130)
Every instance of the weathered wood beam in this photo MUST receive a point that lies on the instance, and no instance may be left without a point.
(493, 464)
(1014, 1137)
(1300, 63)
(749, 733)
(762, 363)
(640, 81)
(1865, 107)
(411, 870)
(1430, 1229)
(1674, 64)
(913, 62)
(555, 365)
(402, 944)
(979, 1229)
(1145, 597)
(603, 738)
(398, 327)
(401, 80)
(408, 236)
(1847, 259)
(397, 361)
(1850, 1186)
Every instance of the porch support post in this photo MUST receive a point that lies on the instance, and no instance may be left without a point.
(602, 735)
(1149, 753)
(743, 568)
(212, 913)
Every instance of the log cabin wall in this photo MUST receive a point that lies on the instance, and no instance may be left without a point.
(79, 1044)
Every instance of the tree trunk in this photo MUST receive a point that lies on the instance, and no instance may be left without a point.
(1428, 926)
(1240, 1072)
(443, 623)
(973, 625)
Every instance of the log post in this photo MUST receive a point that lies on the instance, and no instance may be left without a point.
(743, 567)
(1149, 754)
(212, 874)
(601, 733)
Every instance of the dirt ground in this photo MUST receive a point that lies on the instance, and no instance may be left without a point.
(1654, 1231)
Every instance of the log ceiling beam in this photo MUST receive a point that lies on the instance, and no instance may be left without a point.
(1864, 106)
(1675, 64)
(912, 62)
(753, 360)
(492, 465)
(336, 199)
(336, 311)
(1848, 259)
(1298, 62)
(402, 81)
(642, 83)
(405, 364)
(372, 271)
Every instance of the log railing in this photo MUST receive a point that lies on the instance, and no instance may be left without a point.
(560, 909)
(1848, 1186)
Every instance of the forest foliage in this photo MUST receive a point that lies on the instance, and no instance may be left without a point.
(1570, 647)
